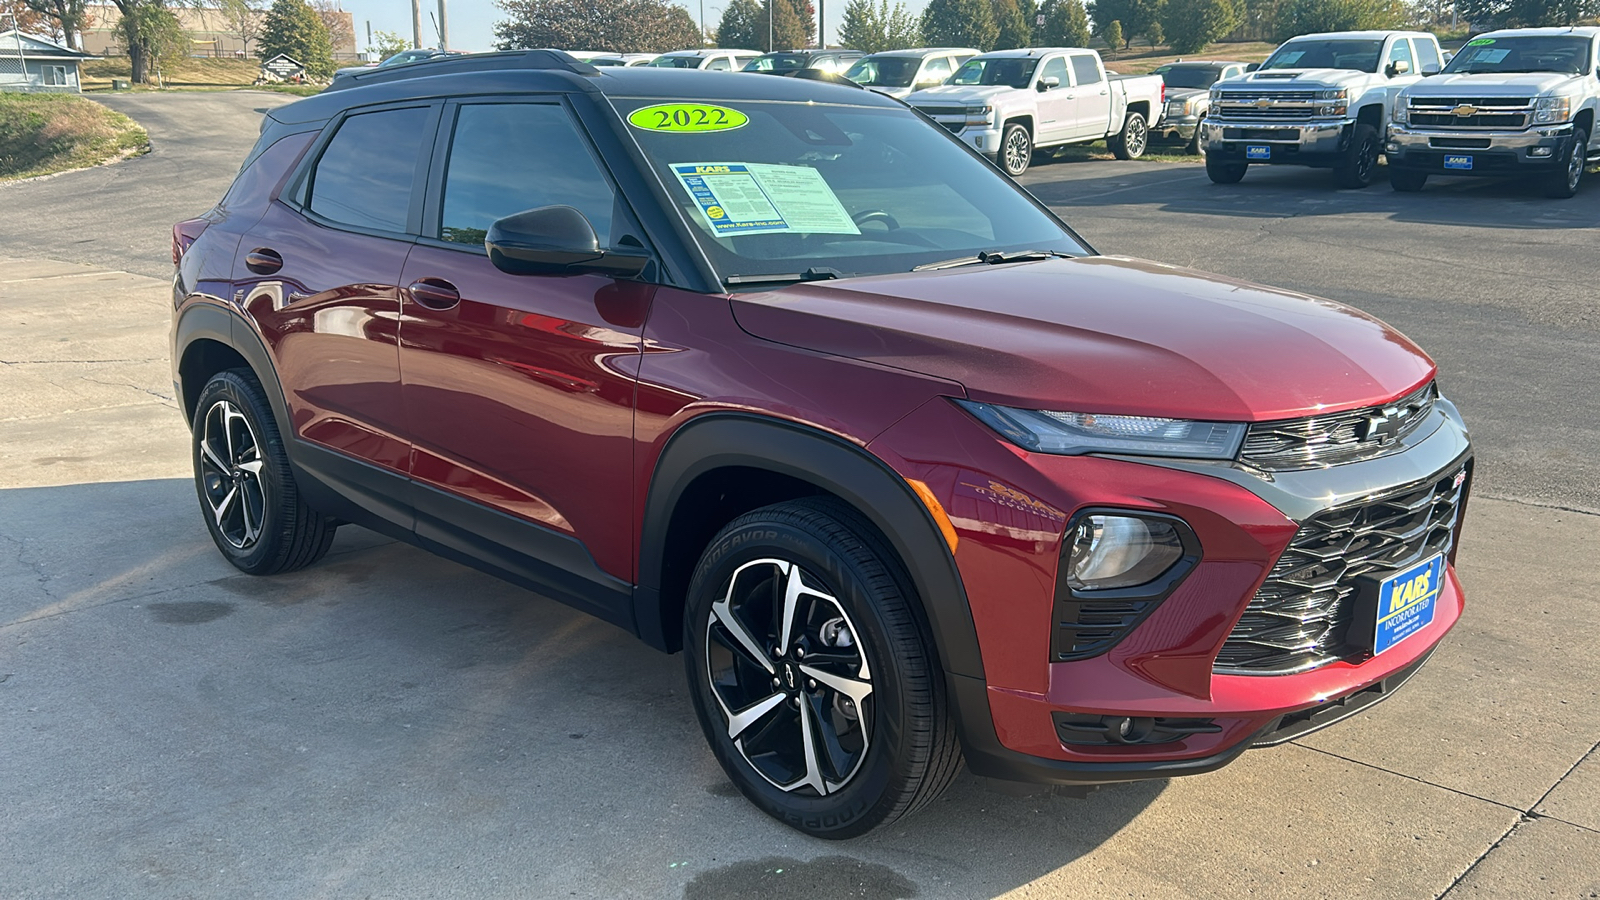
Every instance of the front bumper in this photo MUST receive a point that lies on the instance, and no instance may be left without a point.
(1502, 153)
(1010, 510)
(1319, 143)
(1178, 126)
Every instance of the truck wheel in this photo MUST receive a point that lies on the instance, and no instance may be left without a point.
(1407, 182)
(1016, 150)
(1564, 184)
(247, 491)
(1222, 171)
(1131, 141)
(1193, 148)
(1361, 160)
(812, 679)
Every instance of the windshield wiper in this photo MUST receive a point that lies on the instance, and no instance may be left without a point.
(993, 258)
(815, 273)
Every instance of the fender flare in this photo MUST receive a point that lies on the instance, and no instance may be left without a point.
(717, 440)
(214, 322)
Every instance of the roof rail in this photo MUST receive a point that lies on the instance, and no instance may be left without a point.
(472, 62)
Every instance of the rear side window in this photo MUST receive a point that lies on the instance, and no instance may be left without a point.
(511, 157)
(365, 175)
(1085, 71)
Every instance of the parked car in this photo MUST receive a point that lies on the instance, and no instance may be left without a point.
(715, 60)
(1319, 100)
(403, 58)
(788, 62)
(790, 379)
(899, 72)
(624, 59)
(1189, 96)
(1009, 103)
(1513, 102)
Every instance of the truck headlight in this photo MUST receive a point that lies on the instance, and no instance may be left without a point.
(1073, 434)
(1401, 114)
(1333, 103)
(980, 115)
(1179, 107)
(1109, 551)
(1550, 110)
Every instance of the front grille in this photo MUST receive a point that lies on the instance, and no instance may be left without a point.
(1300, 617)
(1459, 143)
(1336, 438)
(1479, 120)
(1480, 102)
(936, 111)
(1281, 113)
(1253, 96)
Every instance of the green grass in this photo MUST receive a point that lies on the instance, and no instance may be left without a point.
(191, 72)
(1158, 151)
(45, 133)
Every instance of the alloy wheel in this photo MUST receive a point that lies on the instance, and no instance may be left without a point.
(1367, 160)
(1575, 165)
(230, 475)
(1138, 137)
(786, 666)
(1018, 149)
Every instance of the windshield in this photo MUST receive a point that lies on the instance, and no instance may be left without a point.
(1361, 56)
(1010, 71)
(777, 62)
(1189, 76)
(1567, 54)
(884, 71)
(675, 62)
(781, 188)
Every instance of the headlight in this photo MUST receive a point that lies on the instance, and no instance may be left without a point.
(1120, 551)
(1553, 109)
(1215, 95)
(1071, 434)
(980, 115)
(1179, 107)
(1401, 114)
(1333, 103)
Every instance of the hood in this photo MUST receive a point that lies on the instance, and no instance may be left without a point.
(1488, 84)
(1102, 334)
(957, 93)
(1298, 79)
(901, 92)
(1187, 93)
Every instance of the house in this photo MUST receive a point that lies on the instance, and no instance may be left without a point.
(32, 63)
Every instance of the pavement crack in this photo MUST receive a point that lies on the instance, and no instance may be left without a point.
(1483, 856)
(1582, 511)
(1432, 784)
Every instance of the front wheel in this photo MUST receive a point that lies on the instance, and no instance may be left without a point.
(1361, 159)
(1225, 172)
(1016, 150)
(1565, 183)
(811, 677)
(1407, 182)
(1131, 141)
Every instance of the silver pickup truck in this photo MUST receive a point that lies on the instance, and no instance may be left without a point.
(1008, 103)
(1519, 101)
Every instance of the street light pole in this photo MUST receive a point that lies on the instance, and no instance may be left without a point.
(444, 26)
(416, 24)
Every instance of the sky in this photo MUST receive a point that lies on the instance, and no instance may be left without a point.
(472, 21)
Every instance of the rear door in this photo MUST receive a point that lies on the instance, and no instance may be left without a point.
(520, 389)
(1093, 117)
(319, 274)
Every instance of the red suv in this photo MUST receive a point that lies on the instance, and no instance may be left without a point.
(780, 374)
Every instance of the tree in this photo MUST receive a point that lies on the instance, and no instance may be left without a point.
(1486, 14)
(388, 43)
(1113, 38)
(1311, 16)
(745, 25)
(1154, 33)
(156, 32)
(1015, 23)
(1191, 25)
(65, 18)
(294, 29)
(960, 23)
(243, 18)
(874, 28)
(341, 27)
(1065, 24)
(1136, 16)
(619, 26)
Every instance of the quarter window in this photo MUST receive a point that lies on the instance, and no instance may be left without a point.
(507, 158)
(1085, 70)
(365, 175)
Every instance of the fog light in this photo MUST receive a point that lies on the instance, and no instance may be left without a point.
(1120, 551)
(979, 142)
(1392, 146)
(1540, 151)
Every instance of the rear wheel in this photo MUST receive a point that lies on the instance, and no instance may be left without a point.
(1407, 182)
(1131, 141)
(1564, 184)
(812, 679)
(1016, 149)
(1361, 159)
(1222, 171)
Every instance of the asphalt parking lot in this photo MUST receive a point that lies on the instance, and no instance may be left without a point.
(389, 724)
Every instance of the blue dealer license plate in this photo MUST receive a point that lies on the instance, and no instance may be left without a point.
(1258, 151)
(1457, 162)
(1406, 603)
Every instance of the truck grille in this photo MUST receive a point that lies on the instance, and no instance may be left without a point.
(1480, 120)
(1253, 96)
(1489, 112)
(936, 111)
(1337, 438)
(1300, 617)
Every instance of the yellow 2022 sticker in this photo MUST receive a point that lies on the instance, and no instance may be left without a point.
(687, 117)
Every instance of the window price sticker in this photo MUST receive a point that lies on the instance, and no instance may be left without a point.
(758, 198)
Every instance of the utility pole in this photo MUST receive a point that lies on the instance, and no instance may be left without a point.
(416, 24)
(822, 24)
(444, 26)
(769, 24)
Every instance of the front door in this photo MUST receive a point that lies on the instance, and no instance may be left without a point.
(1055, 104)
(520, 389)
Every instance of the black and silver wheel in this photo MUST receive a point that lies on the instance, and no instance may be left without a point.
(1407, 182)
(811, 677)
(1222, 171)
(1016, 150)
(1564, 184)
(1361, 159)
(247, 491)
(1131, 141)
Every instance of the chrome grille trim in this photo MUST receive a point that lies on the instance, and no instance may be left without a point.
(1299, 619)
(1336, 438)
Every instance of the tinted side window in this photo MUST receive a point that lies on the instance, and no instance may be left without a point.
(509, 157)
(366, 172)
(719, 64)
(1086, 71)
(1057, 69)
(1427, 57)
(938, 69)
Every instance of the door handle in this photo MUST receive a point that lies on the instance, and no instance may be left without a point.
(1104, 92)
(434, 293)
(263, 261)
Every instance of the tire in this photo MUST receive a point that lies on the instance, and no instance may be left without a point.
(1193, 147)
(246, 489)
(1361, 159)
(1222, 171)
(1564, 184)
(762, 702)
(1016, 150)
(1407, 182)
(1132, 140)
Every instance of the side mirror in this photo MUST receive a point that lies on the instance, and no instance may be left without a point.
(1430, 69)
(1049, 83)
(1399, 67)
(1251, 68)
(555, 240)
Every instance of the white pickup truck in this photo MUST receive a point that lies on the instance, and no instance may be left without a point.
(1008, 103)
(1519, 101)
(1319, 100)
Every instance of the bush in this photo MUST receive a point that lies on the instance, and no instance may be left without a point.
(44, 133)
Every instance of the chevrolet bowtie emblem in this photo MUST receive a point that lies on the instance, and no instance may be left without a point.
(1263, 103)
(1465, 109)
